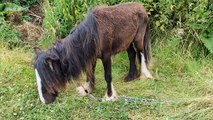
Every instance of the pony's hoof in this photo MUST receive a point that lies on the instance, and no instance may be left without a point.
(146, 76)
(130, 77)
(81, 91)
(111, 98)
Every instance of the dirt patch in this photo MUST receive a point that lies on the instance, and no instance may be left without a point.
(36, 14)
(30, 28)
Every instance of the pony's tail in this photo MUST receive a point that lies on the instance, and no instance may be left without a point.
(147, 45)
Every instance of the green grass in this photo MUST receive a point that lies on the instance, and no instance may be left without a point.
(177, 77)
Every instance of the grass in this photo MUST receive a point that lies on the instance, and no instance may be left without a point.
(177, 76)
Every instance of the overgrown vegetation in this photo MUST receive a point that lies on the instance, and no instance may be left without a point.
(7, 31)
(182, 65)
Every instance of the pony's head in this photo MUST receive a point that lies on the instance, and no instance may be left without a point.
(50, 73)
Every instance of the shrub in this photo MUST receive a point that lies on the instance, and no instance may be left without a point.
(193, 17)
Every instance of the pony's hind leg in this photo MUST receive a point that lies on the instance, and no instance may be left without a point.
(145, 73)
(142, 45)
(110, 94)
(144, 70)
(132, 67)
(87, 87)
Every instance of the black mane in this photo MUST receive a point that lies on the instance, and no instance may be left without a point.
(80, 46)
(70, 55)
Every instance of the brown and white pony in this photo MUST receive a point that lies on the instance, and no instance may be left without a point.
(106, 31)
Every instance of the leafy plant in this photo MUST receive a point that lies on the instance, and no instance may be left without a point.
(9, 35)
(23, 3)
(7, 8)
(195, 18)
(62, 13)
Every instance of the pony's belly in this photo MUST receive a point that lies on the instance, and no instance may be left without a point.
(120, 48)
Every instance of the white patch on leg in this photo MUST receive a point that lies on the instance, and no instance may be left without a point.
(88, 87)
(38, 79)
(113, 97)
(81, 89)
(144, 69)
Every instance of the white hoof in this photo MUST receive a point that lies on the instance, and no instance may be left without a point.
(81, 91)
(146, 76)
(144, 70)
(111, 98)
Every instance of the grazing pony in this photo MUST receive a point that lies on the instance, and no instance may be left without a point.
(106, 31)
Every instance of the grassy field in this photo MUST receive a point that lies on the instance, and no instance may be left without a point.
(177, 77)
(182, 74)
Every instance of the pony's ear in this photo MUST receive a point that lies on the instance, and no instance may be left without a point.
(49, 61)
(37, 50)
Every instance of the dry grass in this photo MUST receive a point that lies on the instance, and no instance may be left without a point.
(30, 32)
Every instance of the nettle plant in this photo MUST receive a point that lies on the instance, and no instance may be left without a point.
(193, 18)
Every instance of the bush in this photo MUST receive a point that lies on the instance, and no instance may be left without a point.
(194, 18)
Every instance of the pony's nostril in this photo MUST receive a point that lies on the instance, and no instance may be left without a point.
(86, 91)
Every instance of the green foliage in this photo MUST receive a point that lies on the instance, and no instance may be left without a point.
(50, 24)
(7, 8)
(58, 20)
(208, 41)
(24, 3)
(200, 19)
(9, 35)
(194, 17)
(62, 13)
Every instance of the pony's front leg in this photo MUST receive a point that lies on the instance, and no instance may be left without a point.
(90, 82)
(132, 66)
(110, 94)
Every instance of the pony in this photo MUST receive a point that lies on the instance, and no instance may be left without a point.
(106, 31)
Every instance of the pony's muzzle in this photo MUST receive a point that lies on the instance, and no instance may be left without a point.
(50, 98)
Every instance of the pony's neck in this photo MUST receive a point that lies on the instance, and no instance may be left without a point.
(80, 47)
